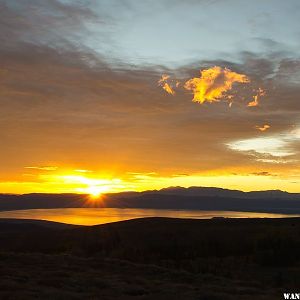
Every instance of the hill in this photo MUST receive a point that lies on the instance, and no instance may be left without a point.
(152, 258)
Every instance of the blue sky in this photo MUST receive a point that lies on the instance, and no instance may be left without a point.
(177, 32)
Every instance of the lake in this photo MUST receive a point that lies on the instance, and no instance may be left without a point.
(93, 216)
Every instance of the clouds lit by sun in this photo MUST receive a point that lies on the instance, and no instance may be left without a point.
(213, 85)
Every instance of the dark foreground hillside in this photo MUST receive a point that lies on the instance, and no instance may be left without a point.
(153, 258)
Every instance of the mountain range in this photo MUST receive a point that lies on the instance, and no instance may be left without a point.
(192, 198)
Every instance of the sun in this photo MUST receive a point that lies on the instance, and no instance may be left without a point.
(92, 186)
(96, 191)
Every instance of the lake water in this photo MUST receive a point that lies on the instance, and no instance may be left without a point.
(93, 216)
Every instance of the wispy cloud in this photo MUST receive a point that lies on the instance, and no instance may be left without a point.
(263, 173)
(43, 168)
(83, 171)
(279, 148)
(263, 127)
(256, 98)
(165, 85)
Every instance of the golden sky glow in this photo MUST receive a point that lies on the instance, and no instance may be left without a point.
(95, 186)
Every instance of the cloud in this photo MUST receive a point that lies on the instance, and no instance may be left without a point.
(63, 102)
(83, 171)
(256, 97)
(70, 111)
(263, 173)
(263, 128)
(165, 85)
(279, 149)
(213, 84)
(43, 168)
(274, 146)
(36, 22)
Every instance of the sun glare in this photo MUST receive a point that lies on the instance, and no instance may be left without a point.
(96, 191)
(92, 186)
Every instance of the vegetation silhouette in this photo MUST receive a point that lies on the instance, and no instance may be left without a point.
(189, 259)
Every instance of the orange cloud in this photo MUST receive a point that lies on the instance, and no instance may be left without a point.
(213, 84)
(43, 168)
(263, 128)
(165, 85)
(260, 93)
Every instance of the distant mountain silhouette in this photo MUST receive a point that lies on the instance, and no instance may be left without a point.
(219, 192)
(202, 198)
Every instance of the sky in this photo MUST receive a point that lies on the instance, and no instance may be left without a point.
(111, 95)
